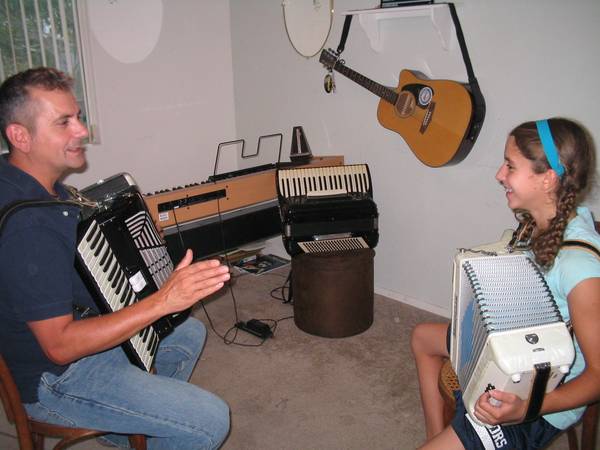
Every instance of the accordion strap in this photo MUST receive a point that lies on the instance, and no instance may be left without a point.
(587, 247)
(542, 375)
(542, 371)
(582, 244)
(13, 207)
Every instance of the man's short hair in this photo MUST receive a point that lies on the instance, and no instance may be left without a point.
(15, 105)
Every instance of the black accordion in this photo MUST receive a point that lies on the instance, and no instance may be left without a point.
(326, 209)
(122, 259)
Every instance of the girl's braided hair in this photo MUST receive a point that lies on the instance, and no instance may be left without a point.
(577, 155)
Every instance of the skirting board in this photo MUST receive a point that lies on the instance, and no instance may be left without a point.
(444, 312)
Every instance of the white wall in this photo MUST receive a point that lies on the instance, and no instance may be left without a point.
(533, 59)
(162, 118)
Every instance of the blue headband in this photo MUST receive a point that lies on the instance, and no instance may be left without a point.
(549, 148)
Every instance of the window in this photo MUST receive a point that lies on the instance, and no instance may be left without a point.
(46, 33)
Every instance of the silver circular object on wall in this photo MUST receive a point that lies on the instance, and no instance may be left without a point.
(307, 24)
(128, 30)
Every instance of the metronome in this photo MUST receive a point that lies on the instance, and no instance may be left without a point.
(300, 151)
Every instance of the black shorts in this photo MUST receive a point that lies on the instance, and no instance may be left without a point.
(524, 436)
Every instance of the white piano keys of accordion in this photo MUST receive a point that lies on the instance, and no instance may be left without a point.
(322, 181)
(115, 287)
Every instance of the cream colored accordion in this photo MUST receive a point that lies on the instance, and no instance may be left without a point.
(507, 331)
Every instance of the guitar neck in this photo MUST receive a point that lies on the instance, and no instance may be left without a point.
(381, 91)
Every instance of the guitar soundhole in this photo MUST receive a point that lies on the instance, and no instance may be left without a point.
(406, 104)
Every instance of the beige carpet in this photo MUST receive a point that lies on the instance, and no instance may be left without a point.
(299, 391)
(303, 392)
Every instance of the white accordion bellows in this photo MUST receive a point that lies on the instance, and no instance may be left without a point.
(507, 332)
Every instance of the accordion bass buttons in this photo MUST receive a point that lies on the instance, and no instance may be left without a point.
(515, 377)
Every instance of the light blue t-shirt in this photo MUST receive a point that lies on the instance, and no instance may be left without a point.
(572, 266)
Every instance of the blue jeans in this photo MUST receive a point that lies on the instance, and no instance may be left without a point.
(106, 392)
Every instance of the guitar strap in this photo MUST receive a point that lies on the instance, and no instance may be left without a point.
(478, 100)
(459, 35)
(463, 45)
(345, 30)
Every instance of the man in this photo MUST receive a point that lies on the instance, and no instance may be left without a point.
(70, 370)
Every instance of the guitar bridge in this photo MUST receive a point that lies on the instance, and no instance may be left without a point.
(427, 118)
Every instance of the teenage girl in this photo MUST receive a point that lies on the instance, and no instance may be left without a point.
(548, 167)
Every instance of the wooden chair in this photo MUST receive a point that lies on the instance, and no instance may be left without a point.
(448, 383)
(31, 433)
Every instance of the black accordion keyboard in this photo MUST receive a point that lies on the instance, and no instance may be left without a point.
(122, 259)
(327, 209)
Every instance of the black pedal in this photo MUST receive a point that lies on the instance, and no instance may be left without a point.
(255, 327)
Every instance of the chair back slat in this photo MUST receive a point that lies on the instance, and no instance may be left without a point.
(13, 407)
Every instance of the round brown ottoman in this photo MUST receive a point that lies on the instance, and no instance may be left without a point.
(333, 292)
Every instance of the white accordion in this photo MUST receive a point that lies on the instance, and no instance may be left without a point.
(507, 331)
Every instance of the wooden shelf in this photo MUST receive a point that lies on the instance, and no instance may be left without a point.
(439, 13)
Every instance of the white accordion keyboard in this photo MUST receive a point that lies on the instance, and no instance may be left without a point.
(324, 181)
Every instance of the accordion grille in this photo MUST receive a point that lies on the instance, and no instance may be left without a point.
(152, 249)
(506, 293)
(333, 245)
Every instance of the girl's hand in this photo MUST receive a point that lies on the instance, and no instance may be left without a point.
(497, 407)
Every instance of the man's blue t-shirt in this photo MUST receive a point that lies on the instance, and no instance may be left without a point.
(38, 279)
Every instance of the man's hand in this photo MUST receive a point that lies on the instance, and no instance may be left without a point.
(190, 283)
(65, 340)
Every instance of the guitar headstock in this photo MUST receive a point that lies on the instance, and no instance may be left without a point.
(328, 58)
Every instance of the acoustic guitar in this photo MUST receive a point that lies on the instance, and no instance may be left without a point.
(434, 117)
